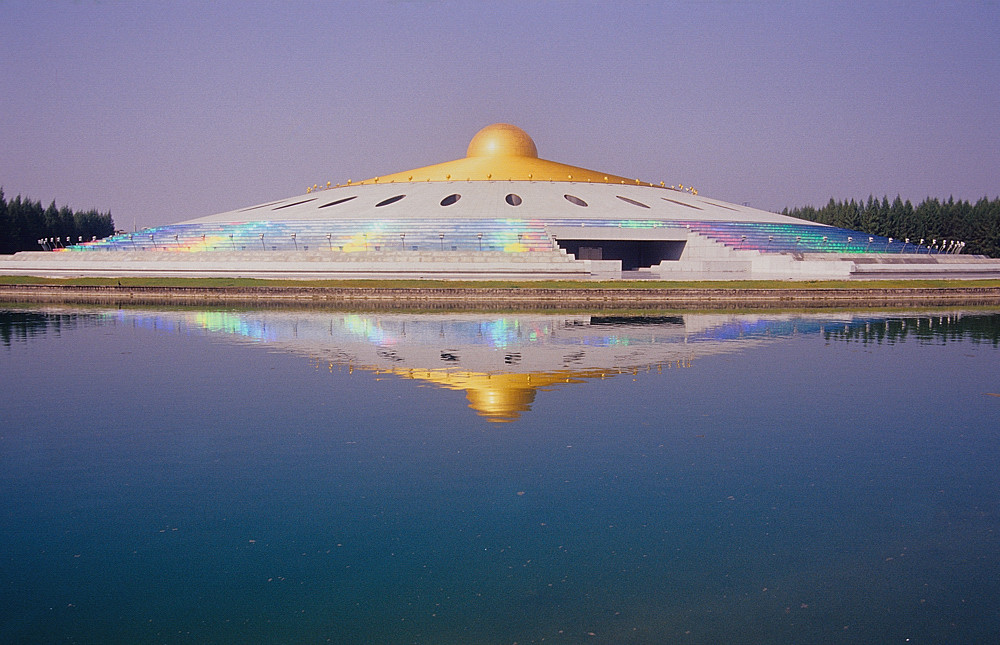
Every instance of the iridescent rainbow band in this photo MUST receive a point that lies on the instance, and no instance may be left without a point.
(504, 235)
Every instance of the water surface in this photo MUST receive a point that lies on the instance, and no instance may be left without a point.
(232, 476)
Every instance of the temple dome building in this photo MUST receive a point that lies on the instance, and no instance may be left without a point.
(503, 211)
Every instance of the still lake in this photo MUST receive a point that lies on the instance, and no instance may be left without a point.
(309, 476)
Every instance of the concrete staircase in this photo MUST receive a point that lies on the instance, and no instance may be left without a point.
(704, 257)
(306, 264)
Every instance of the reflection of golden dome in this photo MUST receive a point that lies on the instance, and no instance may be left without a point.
(500, 404)
(496, 397)
(502, 140)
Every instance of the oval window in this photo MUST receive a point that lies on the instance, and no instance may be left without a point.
(513, 200)
(572, 199)
(631, 201)
(304, 201)
(450, 199)
(674, 201)
(339, 201)
(391, 200)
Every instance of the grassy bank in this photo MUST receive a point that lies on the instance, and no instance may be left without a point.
(222, 283)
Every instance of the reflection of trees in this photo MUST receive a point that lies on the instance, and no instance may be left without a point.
(977, 328)
(21, 325)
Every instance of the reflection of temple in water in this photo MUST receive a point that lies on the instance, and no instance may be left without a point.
(502, 361)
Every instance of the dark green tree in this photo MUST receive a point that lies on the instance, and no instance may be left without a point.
(978, 225)
(24, 222)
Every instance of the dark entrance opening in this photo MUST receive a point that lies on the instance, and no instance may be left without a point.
(634, 254)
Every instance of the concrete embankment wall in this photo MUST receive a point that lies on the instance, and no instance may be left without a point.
(513, 297)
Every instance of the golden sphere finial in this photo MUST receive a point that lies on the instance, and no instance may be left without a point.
(502, 140)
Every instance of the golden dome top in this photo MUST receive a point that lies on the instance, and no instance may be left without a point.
(502, 140)
(501, 152)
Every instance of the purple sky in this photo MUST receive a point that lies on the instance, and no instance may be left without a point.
(166, 111)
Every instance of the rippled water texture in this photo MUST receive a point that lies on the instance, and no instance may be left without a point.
(184, 476)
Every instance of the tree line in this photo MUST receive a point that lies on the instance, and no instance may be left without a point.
(978, 225)
(23, 222)
(977, 328)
